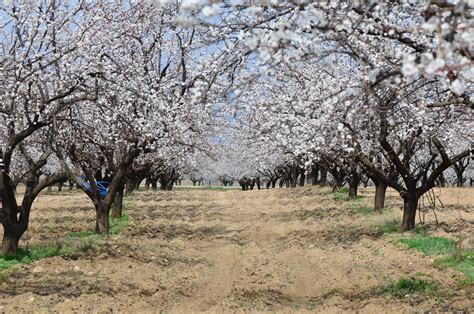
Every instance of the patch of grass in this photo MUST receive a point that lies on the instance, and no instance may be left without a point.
(342, 194)
(430, 245)
(125, 203)
(363, 209)
(386, 210)
(346, 198)
(48, 249)
(295, 306)
(241, 303)
(3, 276)
(420, 273)
(461, 261)
(7, 262)
(405, 286)
(61, 219)
(387, 227)
(394, 226)
(52, 229)
(82, 234)
(118, 225)
(420, 230)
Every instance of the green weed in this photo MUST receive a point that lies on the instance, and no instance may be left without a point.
(48, 249)
(117, 225)
(404, 287)
(429, 245)
(363, 209)
(461, 261)
(342, 194)
(82, 234)
(387, 227)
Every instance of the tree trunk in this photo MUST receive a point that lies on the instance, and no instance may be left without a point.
(302, 178)
(314, 174)
(60, 186)
(117, 206)
(129, 186)
(274, 182)
(409, 211)
(323, 177)
(163, 185)
(147, 183)
(10, 242)
(154, 185)
(380, 189)
(102, 219)
(353, 185)
(294, 178)
(14, 218)
(10, 219)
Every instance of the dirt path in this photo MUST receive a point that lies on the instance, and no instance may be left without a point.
(223, 251)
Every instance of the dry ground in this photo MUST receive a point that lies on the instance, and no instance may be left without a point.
(290, 250)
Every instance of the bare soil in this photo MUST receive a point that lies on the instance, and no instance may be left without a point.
(288, 250)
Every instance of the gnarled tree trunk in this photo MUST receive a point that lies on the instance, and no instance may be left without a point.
(102, 218)
(117, 206)
(410, 206)
(302, 178)
(130, 185)
(15, 219)
(268, 184)
(354, 181)
(323, 176)
(10, 242)
(314, 174)
(380, 190)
